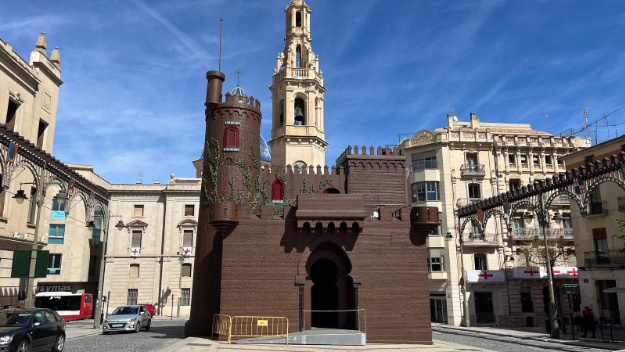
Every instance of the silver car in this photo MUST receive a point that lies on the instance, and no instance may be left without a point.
(127, 318)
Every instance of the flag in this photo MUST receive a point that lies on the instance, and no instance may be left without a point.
(579, 185)
(135, 251)
(186, 251)
(13, 149)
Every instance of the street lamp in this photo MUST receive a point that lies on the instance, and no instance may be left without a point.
(97, 320)
(20, 197)
(543, 220)
(465, 301)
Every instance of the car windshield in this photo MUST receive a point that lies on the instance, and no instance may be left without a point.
(14, 318)
(125, 310)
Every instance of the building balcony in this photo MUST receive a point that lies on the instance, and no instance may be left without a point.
(529, 233)
(472, 170)
(437, 275)
(605, 258)
(481, 240)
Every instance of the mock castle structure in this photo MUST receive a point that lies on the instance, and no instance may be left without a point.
(299, 237)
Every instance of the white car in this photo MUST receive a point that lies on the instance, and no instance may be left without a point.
(127, 318)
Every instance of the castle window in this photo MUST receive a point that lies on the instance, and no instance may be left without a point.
(299, 167)
(298, 57)
(41, 132)
(281, 112)
(300, 112)
(298, 19)
(231, 139)
(277, 190)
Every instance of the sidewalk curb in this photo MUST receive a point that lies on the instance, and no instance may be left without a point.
(178, 346)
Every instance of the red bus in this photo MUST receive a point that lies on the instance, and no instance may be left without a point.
(71, 306)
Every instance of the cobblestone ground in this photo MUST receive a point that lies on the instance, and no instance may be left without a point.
(162, 333)
(502, 343)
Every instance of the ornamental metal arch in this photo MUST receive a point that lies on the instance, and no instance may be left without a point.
(522, 204)
(561, 191)
(596, 183)
(474, 220)
(494, 212)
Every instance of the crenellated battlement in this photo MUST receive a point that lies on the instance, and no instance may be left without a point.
(251, 102)
(371, 151)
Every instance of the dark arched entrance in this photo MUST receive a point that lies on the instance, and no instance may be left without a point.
(331, 290)
(325, 293)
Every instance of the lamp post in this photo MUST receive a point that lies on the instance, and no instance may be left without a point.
(20, 196)
(97, 320)
(465, 301)
(543, 219)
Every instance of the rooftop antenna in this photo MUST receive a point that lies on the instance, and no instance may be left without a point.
(221, 29)
(548, 123)
(586, 123)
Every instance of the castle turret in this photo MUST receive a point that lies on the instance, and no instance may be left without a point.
(231, 159)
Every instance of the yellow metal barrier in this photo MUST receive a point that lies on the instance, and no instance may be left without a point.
(222, 325)
(250, 326)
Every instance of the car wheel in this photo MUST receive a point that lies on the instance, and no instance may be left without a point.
(59, 344)
(105, 332)
(147, 327)
(138, 326)
(24, 346)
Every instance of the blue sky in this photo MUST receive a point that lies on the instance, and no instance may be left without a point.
(134, 70)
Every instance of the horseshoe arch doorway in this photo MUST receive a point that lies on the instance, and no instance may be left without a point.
(331, 291)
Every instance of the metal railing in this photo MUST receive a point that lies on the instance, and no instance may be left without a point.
(423, 164)
(531, 232)
(472, 169)
(477, 239)
(606, 257)
(240, 326)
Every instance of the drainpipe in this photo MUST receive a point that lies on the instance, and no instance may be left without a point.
(160, 279)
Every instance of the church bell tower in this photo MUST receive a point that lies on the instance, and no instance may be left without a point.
(297, 133)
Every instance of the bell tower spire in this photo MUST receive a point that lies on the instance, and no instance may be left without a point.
(297, 133)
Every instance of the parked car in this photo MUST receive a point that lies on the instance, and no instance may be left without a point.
(36, 329)
(150, 308)
(127, 318)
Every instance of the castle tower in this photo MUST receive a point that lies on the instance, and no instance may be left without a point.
(297, 133)
(231, 163)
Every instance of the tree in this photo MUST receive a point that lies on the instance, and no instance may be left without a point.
(535, 253)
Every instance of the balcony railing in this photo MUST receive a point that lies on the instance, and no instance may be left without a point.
(474, 239)
(528, 233)
(420, 165)
(472, 170)
(606, 257)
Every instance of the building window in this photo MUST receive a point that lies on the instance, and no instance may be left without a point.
(299, 167)
(277, 190)
(93, 260)
(421, 162)
(133, 295)
(134, 271)
(475, 192)
(471, 162)
(231, 138)
(298, 19)
(136, 238)
(11, 115)
(32, 206)
(436, 260)
(511, 159)
(527, 306)
(41, 133)
(185, 270)
(548, 160)
(514, 184)
(600, 240)
(480, 261)
(185, 296)
(425, 191)
(536, 159)
(56, 206)
(524, 159)
(2, 197)
(54, 264)
(138, 210)
(56, 234)
(187, 238)
(189, 210)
